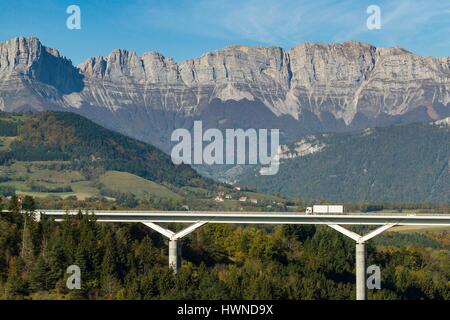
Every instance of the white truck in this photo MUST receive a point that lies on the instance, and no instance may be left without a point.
(325, 209)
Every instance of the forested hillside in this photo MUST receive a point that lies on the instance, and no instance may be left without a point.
(403, 164)
(51, 136)
(128, 261)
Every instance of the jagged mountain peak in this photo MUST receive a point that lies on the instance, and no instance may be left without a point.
(24, 42)
(127, 66)
(34, 76)
(31, 45)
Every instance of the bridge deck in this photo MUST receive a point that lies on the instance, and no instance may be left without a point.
(259, 217)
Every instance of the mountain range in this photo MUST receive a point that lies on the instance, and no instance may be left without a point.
(310, 88)
(330, 93)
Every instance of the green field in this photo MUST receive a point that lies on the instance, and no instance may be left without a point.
(49, 174)
(58, 179)
(263, 196)
(140, 187)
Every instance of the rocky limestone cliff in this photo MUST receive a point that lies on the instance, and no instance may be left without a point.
(327, 86)
(341, 79)
(34, 75)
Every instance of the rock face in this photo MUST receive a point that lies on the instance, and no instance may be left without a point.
(33, 76)
(313, 87)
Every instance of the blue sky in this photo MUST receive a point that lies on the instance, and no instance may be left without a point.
(184, 29)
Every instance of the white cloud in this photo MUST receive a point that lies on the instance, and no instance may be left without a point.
(289, 22)
(266, 21)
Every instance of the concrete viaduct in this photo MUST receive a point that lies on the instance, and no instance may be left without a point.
(196, 219)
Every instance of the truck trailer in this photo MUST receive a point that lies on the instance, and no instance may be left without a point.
(325, 209)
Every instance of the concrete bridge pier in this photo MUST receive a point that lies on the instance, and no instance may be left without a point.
(174, 255)
(360, 272)
(361, 288)
(174, 244)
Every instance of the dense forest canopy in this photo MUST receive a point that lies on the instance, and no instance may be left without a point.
(128, 261)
